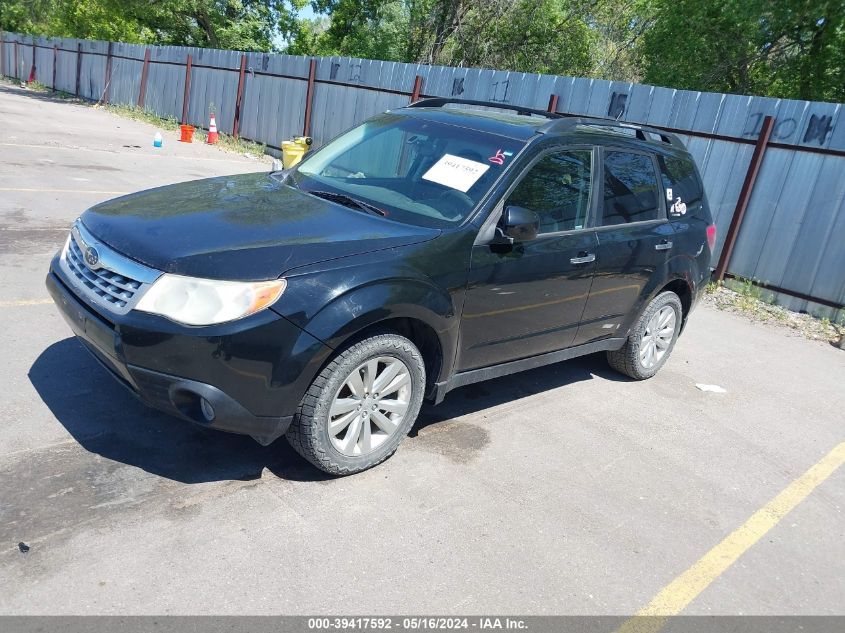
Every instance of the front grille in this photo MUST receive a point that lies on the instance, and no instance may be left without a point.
(113, 282)
(115, 289)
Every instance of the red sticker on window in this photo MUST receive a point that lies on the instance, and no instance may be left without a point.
(498, 159)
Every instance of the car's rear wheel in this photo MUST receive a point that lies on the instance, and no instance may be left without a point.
(651, 340)
(361, 406)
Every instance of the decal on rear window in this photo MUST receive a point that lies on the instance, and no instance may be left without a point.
(679, 208)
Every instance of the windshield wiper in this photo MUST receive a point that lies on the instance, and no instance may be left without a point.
(349, 201)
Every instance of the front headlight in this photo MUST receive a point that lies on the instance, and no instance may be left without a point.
(66, 246)
(194, 301)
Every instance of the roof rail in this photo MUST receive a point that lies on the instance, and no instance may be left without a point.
(558, 121)
(439, 102)
(640, 131)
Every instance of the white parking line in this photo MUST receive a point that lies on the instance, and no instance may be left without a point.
(24, 302)
(114, 151)
(42, 190)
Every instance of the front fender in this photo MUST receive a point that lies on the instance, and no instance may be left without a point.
(424, 282)
(344, 310)
(353, 311)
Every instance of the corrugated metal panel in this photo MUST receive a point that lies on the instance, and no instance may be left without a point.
(126, 73)
(816, 233)
(66, 66)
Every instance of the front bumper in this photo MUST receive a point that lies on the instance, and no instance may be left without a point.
(252, 372)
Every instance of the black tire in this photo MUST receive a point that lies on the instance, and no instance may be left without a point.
(309, 431)
(626, 360)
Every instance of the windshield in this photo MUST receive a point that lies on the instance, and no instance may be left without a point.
(412, 170)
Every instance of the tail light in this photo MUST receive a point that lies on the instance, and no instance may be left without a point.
(711, 236)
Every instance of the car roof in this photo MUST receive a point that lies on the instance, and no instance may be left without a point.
(524, 123)
(514, 126)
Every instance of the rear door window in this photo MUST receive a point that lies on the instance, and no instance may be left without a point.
(630, 189)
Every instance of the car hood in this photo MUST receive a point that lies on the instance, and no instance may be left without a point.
(243, 227)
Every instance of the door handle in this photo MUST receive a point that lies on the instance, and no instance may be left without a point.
(665, 245)
(586, 259)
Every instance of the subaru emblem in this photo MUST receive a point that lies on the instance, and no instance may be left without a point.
(92, 257)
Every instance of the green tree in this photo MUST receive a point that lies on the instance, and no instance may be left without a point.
(546, 36)
(231, 24)
(374, 29)
(790, 48)
(618, 29)
(527, 35)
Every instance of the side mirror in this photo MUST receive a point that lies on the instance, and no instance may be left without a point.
(518, 224)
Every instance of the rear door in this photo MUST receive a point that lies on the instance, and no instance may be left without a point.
(527, 299)
(635, 241)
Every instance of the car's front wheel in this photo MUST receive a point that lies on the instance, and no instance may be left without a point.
(361, 406)
(651, 339)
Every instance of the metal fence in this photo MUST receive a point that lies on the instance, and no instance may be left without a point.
(792, 233)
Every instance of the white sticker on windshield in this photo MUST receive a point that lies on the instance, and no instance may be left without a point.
(456, 172)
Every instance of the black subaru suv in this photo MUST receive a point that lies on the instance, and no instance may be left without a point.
(431, 247)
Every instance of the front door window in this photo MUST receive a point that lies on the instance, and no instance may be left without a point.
(557, 189)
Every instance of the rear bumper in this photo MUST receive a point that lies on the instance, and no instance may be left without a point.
(252, 374)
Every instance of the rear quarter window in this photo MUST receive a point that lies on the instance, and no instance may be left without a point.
(681, 186)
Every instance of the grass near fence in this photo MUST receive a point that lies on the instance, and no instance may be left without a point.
(742, 296)
(170, 123)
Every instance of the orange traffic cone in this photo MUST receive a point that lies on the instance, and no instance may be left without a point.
(212, 131)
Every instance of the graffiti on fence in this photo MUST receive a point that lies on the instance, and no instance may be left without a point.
(818, 127)
(618, 102)
(500, 91)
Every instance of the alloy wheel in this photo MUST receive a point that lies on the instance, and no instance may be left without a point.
(369, 406)
(657, 337)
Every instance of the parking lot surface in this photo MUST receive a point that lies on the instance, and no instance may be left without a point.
(563, 490)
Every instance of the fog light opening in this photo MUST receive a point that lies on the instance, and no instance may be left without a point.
(207, 410)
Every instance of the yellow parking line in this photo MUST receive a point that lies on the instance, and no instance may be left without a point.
(675, 596)
(114, 193)
(25, 302)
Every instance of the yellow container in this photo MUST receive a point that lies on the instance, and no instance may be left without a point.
(293, 151)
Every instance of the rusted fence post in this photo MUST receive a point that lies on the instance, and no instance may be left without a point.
(186, 98)
(78, 65)
(2, 54)
(32, 67)
(415, 95)
(744, 197)
(552, 103)
(142, 91)
(309, 97)
(16, 60)
(239, 98)
(55, 59)
(107, 77)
